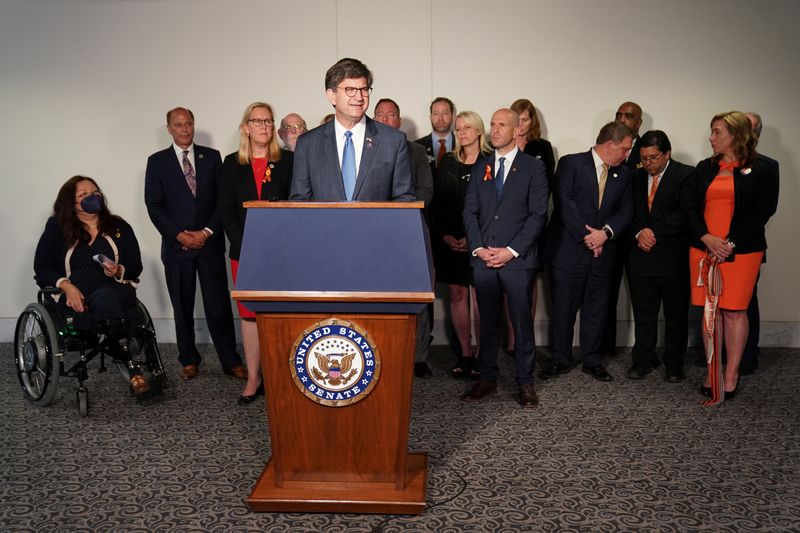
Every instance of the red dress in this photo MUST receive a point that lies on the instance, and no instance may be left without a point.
(738, 276)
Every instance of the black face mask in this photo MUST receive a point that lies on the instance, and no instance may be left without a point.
(92, 204)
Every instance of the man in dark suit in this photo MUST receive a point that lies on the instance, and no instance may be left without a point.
(351, 158)
(749, 362)
(387, 111)
(505, 211)
(441, 140)
(658, 266)
(629, 114)
(181, 196)
(593, 205)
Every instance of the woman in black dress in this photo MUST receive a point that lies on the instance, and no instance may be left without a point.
(94, 258)
(259, 170)
(451, 256)
(529, 140)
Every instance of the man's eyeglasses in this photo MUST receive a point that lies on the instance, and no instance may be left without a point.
(293, 129)
(651, 158)
(351, 91)
(268, 122)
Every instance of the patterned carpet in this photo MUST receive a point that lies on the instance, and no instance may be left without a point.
(637, 456)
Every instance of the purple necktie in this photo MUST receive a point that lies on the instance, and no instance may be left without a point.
(188, 173)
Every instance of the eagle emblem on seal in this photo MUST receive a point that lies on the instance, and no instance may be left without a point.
(334, 369)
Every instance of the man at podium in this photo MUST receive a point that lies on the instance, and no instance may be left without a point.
(351, 158)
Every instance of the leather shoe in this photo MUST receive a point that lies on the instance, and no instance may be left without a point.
(244, 400)
(481, 390)
(238, 371)
(555, 369)
(188, 372)
(139, 385)
(422, 370)
(640, 370)
(598, 372)
(674, 375)
(527, 396)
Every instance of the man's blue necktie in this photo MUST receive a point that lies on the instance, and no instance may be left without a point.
(349, 165)
(498, 179)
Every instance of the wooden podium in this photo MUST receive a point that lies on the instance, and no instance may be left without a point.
(336, 288)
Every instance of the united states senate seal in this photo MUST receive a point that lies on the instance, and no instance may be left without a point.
(335, 362)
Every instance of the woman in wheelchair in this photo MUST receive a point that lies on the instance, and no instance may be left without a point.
(94, 258)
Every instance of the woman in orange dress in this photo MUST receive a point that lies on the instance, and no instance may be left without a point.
(734, 199)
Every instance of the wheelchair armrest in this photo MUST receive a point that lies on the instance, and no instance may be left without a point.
(47, 291)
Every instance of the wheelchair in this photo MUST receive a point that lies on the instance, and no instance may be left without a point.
(48, 346)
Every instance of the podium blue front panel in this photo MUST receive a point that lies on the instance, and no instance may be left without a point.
(335, 249)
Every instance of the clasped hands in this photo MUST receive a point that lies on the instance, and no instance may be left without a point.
(595, 239)
(494, 257)
(645, 240)
(719, 249)
(192, 240)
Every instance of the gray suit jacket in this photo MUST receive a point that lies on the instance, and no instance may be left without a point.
(384, 173)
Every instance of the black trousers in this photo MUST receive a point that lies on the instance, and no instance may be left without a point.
(647, 295)
(580, 287)
(182, 283)
(608, 343)
(490, 285)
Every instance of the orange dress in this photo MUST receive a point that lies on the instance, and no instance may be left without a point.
(738, 276)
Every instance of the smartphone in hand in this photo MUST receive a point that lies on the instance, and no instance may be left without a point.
(104, 261)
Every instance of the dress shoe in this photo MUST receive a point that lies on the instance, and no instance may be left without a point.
(422, 370)
(705, 391)
(481, 390)
(748, 366)
(244, 400)
(238, 371)
(555, 369)
(598, 372)
(188, 372)
(527, 396)
(674, 375)
(640, 370)
(139, 385)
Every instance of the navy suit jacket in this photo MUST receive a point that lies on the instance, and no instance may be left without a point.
(384, 173)
(516, 219)
(576, 205)
(172, 208)
(427, 143)
(668, 219)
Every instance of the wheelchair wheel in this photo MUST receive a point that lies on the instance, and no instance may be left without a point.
(83, 401)
(37, 354)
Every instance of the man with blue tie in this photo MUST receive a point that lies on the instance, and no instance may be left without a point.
(180, 193)
(593, 205)
(351, 158)
(505, 211)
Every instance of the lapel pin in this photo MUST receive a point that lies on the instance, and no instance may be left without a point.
(369, 142)
(614, 175)
(200, 156)
(747, 171)
(488, 175)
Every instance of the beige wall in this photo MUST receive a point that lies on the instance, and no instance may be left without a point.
(85, 85)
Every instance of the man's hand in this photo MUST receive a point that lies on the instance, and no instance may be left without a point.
(595, 238)
(494, 257)
(646, 239)
(192, 240)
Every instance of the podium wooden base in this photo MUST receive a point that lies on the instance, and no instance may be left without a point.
(344, 497)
